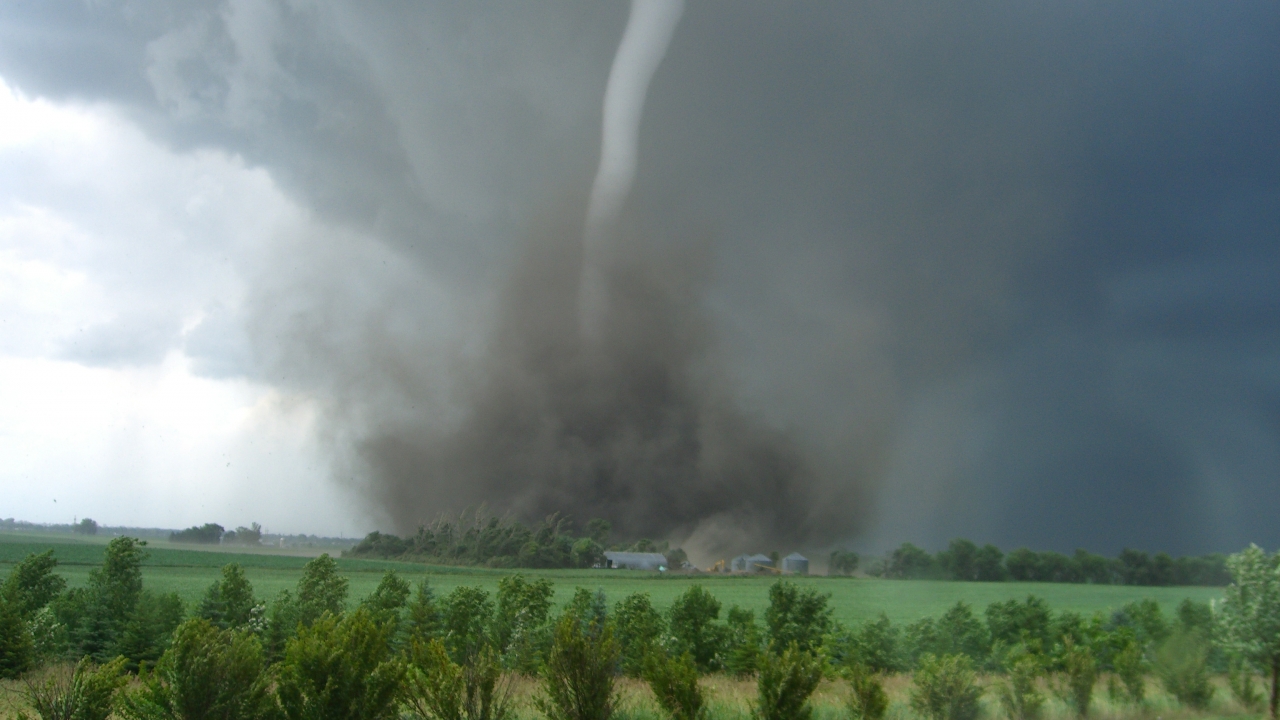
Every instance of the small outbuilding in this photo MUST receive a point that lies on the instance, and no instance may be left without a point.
(635, 561)
(752, 563)
(795, 564)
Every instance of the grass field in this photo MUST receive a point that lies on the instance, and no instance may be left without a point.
(189, 572)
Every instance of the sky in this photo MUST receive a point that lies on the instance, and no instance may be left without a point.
(1008, 271)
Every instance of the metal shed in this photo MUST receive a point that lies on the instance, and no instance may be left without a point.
(795, 564)
(751, 563)
(635, 560)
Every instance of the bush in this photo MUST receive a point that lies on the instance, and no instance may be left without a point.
(694, 629)
(468, 613)
(638, 628)
(229, 602)
(149, 628)
(785, 682)
(878, 645)
(867, 699)
(1131, 670)
(1019, 697)
(795, 616)
(85, 693)
(1181, 663)
(946, 688)
(520, 628)
(441, 689)
(17, 649)
(425, 618)
(207, 674)
(1240, 680)
(340, 669)
(578, 677)
(744, 642)
(1080, 672)
(674, 681)
(320, 590)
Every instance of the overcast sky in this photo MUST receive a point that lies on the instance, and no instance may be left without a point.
(1009, 270)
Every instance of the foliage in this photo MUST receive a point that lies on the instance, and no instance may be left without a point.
(207, 673)
(638, 628)
(842, 562)
(1012, 622)
(1080, 672)
(229, 603)
(578, 678)
(795, 616)
(475, 538)
(586, 553)
(867, 699)
(320, 590)
(785, 682)
(957, 632)
(340, 668)
(441, 689)
(17, 649)
(1130, 668)
(207, 534)
(97, 615)
(1240, 681)
(149, 627)
(32, 584)
(744, 642)
(946, 688)
(85, 693)
(909, 562)
(1181, 663)
(468, 612)
(1019, 696)
(1250, 613)
(878, 646)
(386, 602)
(86, 526)
(693, 628)
(520, 627)
(426, 620)
(674, 681)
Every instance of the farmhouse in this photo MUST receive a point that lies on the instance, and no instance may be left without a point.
(795, 564)
(752, 563)
(635, 560)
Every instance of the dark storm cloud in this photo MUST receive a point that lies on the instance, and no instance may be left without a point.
(1007, 270)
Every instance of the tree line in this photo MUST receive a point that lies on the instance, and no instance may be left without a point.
(490, 541)
(405, 651)
(964, 560)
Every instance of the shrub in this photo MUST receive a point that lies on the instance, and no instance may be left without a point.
(441, 689)
(521, 622)
(946, 688)
(694, 630)
(1240, 680)
(146, 633)
(878, 645)
(340, 669)
(674, 681)
(744, 642)
(1181, 663)
(1080, 671)
(229, 602)
(208, 674)
(578, 677)
(867, 699)
(1018, 695)
(468, 613)
(785, 682)
(1130, 668)
(795, 616)
(85, 693)
(638, 628)
(320, 590)
(17, 649)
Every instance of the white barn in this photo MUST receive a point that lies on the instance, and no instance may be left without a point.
(795, 564)
(635, 561)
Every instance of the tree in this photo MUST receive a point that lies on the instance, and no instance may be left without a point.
(441, 689)
(693, 627)
(86, 526)
(578, 679)
(946, 688)
(960, 560)
(520, 628)
(910, 562)
(587, 553)
(795, 616)
(32, 584)
(206, 674)
(468, 613)
(598, 529)
(674, 682)
(425, 618)
(988, 564)
(321, 589)
(229, 602)
(339, 669)
(842, 562)
(785, 682)
(251, 535)
(1250, 614)
(638, 628)
(85, 693)
(207, 534)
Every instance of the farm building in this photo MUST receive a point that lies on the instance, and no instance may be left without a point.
(635, 561)
(795, 564)
(752, 563)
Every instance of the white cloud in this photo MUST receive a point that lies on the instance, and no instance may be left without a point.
(130, 393)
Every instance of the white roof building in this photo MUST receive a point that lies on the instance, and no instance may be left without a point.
(635, 560)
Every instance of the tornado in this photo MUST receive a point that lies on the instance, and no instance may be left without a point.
(650, 27)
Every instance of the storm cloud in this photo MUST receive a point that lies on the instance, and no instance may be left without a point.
(893, 271)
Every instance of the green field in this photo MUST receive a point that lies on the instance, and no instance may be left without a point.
(189, 572)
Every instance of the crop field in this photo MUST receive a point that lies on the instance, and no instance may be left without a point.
(189, 572)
